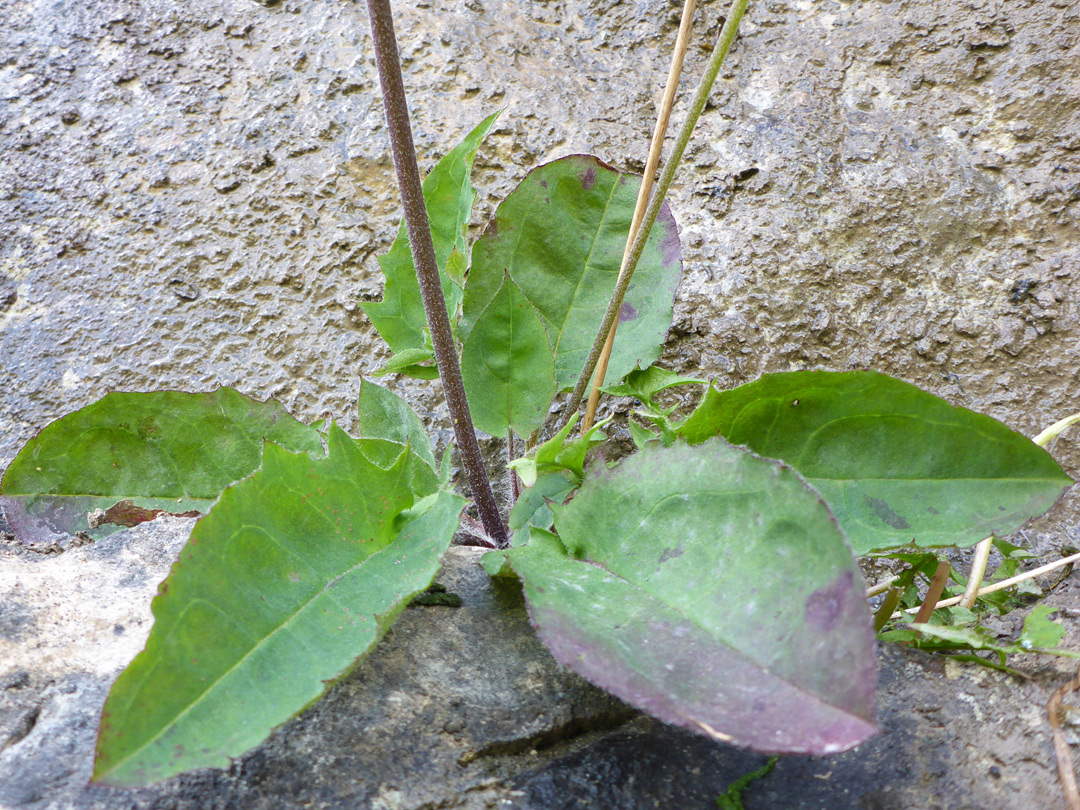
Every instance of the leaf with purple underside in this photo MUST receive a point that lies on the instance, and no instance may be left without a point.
(560, 236)
(711, 588)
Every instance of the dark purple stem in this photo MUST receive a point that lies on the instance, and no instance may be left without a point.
(514, 488)
(427, 270)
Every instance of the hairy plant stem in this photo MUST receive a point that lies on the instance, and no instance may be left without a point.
(427, 269)
(697, 106)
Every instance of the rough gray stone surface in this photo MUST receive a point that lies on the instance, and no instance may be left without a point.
(193, 194)
(69, 622)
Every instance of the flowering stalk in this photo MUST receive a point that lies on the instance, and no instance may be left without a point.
(427, 270)
(697, 106)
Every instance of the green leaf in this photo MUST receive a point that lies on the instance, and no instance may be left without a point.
(496, 565)
(560, 235)
(962, 616)
(951, 641)
(506, 365)
(528, 467)
(1011, 551)
(448, 195)
(532, 507)
(1039, 631)
(456, 265)
(976, 638)
(296, 572)
(898, 636)
(385, 415)
(895, 464)
(640, 434)
(969, 638)
(165, 450)
(571, 457)
(411, 363)
(644, 384)
(555, 455)
(423, 480)
(732, 797)
(711, 588)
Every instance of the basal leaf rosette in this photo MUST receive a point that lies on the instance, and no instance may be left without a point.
(711, 588)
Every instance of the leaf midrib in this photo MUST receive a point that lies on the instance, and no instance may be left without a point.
(257, 646)
(288, 619)
(977, 429)
(585, 271)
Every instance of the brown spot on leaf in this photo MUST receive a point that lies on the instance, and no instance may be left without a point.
(885, 513)
(627, 313)
(588, 180)
(126, 513)
(672, 553)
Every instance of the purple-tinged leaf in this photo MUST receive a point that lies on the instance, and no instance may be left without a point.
(711, 588)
